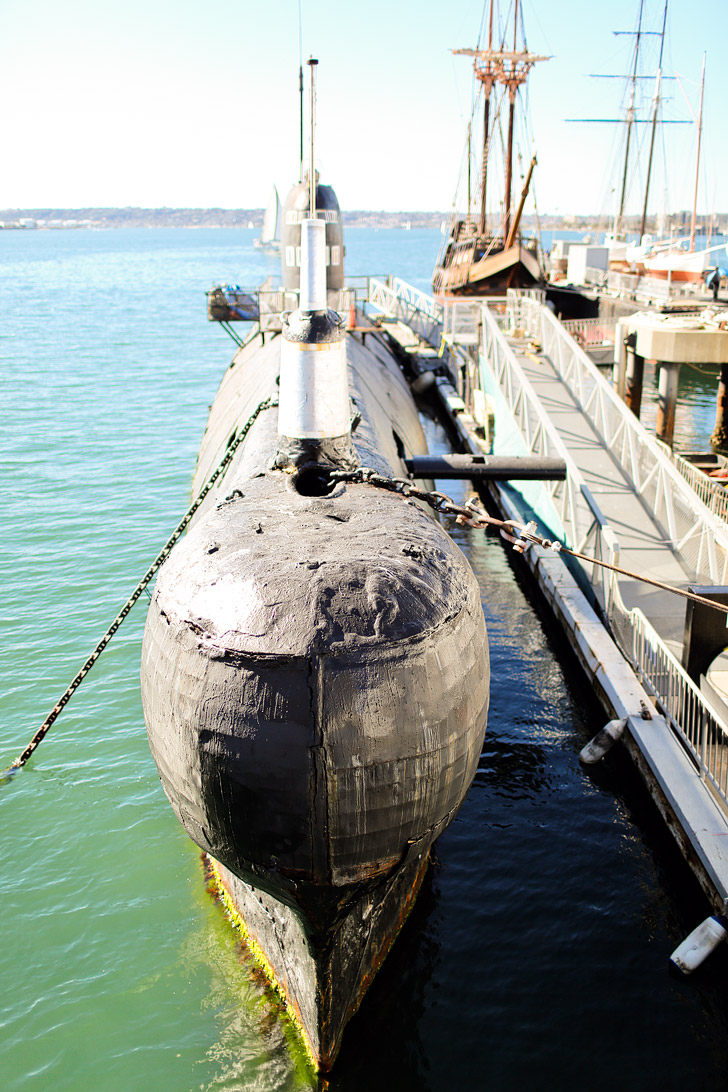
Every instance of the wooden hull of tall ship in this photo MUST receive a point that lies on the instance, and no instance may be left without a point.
(315, 685)
(462, 274)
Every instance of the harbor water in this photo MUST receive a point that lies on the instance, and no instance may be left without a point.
(537, 953)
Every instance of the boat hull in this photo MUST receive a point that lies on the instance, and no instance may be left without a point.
(315, 687)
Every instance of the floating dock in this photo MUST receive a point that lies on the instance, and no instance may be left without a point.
(511, 379)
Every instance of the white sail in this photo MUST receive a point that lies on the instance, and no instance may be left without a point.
(271, 231)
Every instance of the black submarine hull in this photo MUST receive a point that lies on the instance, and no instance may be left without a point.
(315, 686)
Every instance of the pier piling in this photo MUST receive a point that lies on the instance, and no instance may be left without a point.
(719, 436)
(669, 373)
(634, 376)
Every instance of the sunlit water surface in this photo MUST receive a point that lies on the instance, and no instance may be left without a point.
(536, 955)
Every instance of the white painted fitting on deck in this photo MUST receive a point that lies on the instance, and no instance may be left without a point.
(314, 401)
(312, 296)
(696, 948)
(603, 741)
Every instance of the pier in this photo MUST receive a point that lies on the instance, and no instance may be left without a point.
(512, 380)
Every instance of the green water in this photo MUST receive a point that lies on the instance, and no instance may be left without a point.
(537, 953)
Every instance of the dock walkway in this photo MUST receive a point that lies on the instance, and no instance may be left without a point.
(623, 501)
(643, 547)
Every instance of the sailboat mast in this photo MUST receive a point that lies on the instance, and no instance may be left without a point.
(697, 161)
(487, 87)
(630, 123)
(512, 88)
(655, 112)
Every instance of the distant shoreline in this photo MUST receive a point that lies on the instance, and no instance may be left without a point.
(95, 218)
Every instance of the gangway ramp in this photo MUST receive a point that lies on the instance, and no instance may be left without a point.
(623, 502)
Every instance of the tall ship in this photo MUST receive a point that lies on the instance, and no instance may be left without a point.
(315, 670)
(485, 252)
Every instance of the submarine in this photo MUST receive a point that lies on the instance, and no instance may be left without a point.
(315, 670)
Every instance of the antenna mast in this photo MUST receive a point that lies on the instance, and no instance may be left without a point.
(312, 174)
(300, 91)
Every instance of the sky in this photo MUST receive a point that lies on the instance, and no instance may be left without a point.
(174, 103)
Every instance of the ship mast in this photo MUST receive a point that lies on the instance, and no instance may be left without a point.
(510, 69)
(655, 112)
(630, 123)
(487, 79)
(693, 219)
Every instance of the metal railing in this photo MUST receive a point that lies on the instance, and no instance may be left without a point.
(712, 493)
(400, 300)
(693, 532)
(687, 710)
(578, 519)
(591, 332)
(692, 717)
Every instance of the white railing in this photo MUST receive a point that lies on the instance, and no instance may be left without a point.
(712, 493)
(686, 708)
(691, 716)
(580, 522)
(694, 533)
(421, 312)
(460, 321)
(591, 332)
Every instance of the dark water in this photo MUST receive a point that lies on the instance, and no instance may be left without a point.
(536, 955)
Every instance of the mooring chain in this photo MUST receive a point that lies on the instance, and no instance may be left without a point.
(139, 589)
(519, 534)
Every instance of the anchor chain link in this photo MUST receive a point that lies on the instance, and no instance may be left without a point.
(139, 589)
(520, 535)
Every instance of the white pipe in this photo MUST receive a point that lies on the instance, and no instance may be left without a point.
(314, 390)
(313, 266)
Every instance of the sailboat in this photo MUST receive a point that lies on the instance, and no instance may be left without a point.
(270, 233)
(662, 257)
(483, 255)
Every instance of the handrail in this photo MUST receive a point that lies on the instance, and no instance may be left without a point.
(694, 532)
(693, 719)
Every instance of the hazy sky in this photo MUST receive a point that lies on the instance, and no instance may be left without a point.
(170, 102)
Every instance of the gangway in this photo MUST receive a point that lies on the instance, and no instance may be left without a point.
(623, 501)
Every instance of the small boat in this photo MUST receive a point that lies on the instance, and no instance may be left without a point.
(315, 671)
(270, 233)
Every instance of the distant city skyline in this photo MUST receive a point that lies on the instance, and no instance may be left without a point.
(157, 104)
